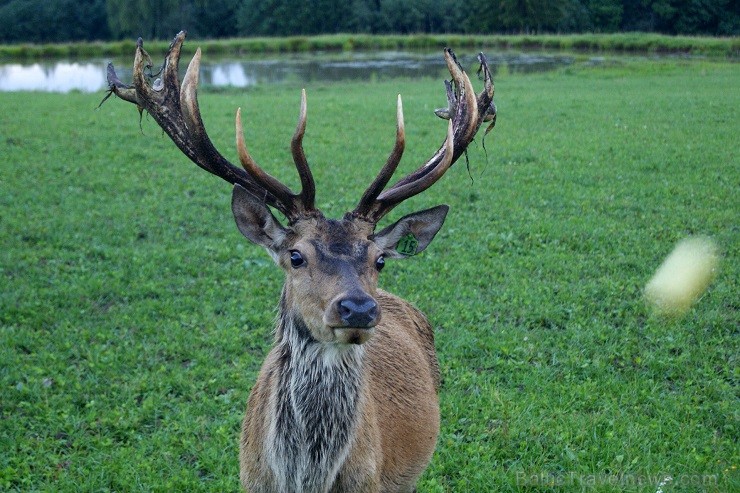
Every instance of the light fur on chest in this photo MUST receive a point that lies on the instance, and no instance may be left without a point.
(313, 414)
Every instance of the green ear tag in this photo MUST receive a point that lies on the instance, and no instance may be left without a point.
(407, 245)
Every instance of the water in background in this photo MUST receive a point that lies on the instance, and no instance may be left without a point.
(89, 75)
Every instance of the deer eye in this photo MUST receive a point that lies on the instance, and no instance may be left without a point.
(296, 259)
(380, 263)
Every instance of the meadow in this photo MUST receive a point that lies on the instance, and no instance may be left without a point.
(134, 317)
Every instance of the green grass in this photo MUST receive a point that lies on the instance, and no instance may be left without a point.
(134, 317)
(618, 42)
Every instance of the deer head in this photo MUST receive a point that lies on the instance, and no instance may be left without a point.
(331, 265)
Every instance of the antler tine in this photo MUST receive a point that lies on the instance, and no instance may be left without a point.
(386, 173)
(300, 204)
(270, 183)
(485, 100)
(466, 112)
(308, 188)
(400, 192)
(175, 109)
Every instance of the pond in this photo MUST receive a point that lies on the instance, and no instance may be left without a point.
(89, 75)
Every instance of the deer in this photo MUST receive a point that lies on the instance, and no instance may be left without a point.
(347, 398)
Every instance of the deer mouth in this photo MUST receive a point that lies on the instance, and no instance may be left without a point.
(353, 335)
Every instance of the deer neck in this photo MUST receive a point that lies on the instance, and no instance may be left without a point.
(316, 407)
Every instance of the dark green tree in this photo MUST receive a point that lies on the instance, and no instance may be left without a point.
(399, 16)
(604, 15)
(697, 16)
(574, 17)
(52, 20)
(68, 20)
(529, 16)
(293, 17)
(150, 19)
(718, 17)
(214, 18)
(483, 16)
(365, 18)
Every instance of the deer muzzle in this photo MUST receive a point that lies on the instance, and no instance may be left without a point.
(353, 317)
(358, 312)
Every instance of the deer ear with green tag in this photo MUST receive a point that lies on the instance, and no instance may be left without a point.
(407, 245)
(411, 234)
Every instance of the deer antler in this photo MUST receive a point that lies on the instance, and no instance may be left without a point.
(466, 113)
(175, 108)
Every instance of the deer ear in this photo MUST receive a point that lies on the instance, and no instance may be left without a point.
(255, 221)
(411, 234)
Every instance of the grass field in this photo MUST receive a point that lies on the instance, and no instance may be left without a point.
(134, 317)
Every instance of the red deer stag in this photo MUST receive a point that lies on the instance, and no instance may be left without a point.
(346, 400)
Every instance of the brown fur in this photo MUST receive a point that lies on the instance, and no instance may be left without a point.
(346, 400)
(399, 421)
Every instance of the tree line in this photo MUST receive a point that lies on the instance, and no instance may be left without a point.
(43, 21)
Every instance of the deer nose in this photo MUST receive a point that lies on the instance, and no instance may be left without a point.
(358, 312)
